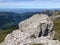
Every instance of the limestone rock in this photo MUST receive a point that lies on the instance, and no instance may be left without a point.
(36, 29)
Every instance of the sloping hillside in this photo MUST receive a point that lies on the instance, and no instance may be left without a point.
(7, 19)
(57, 28)
(10, 19)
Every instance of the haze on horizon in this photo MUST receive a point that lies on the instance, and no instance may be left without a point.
(41, 4)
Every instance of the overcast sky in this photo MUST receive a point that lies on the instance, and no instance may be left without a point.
(30, 4)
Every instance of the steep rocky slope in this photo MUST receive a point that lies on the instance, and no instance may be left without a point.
(38, 29)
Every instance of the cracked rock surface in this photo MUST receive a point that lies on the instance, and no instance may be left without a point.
(37, 29)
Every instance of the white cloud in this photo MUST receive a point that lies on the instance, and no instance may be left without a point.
(29, 5)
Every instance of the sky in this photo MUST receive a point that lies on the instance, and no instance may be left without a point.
(41, 4)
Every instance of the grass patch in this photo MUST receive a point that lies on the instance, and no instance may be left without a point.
(57, 28)
(3, 33)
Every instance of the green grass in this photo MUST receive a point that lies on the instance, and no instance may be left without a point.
(3, 33)
(57, 28)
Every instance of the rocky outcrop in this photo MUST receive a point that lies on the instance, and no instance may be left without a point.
(37, 29)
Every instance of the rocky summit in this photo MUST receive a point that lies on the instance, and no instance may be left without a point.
(37, 29)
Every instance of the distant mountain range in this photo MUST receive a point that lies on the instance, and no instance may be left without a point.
(20, 10)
